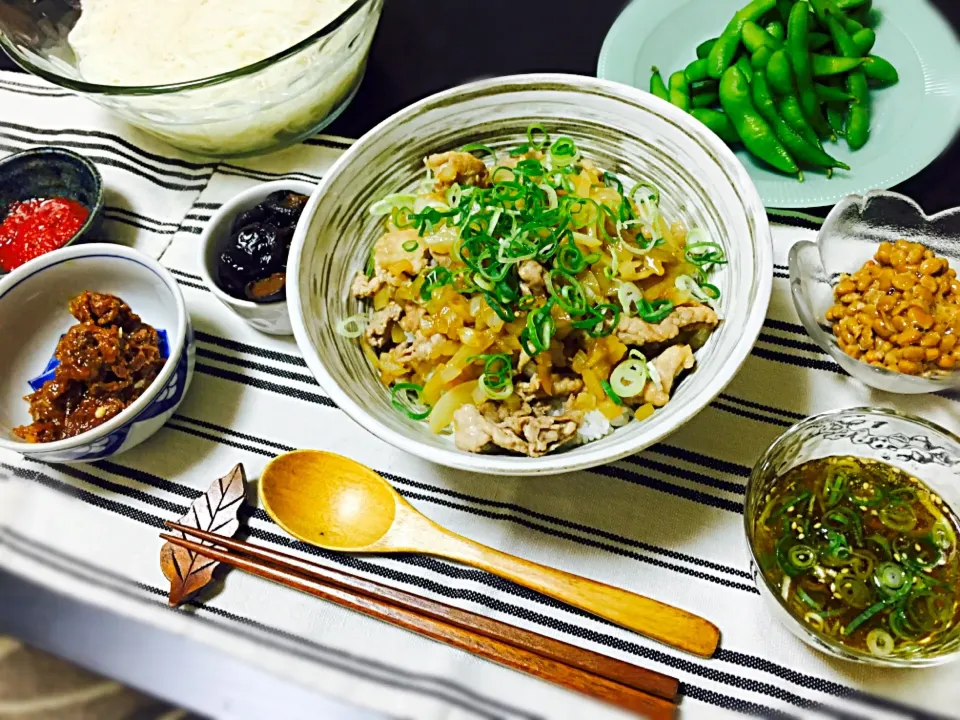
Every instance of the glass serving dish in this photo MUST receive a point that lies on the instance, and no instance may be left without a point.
(926, 451)
(849, 237)
(251, 110)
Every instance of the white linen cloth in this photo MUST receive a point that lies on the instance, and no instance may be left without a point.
(666, 522)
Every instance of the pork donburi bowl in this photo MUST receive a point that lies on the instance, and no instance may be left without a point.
(531, 299)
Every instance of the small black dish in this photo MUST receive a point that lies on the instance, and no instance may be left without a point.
(47, 172)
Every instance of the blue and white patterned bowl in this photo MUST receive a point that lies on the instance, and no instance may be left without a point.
(33, 316)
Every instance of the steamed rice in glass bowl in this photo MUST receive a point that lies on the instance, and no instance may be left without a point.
(174, 87)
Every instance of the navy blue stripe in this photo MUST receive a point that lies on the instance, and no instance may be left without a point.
(759, 406)
(688, 475)
(619, 473)
(809, 347)
(137, 216)
(398, 479)
(250, 365)
(117, 140)
(225, 169)
(798, 361)
(330, 657)
(251, 349)
(110, 162)
(490, 602)
(699, 459)
(749, 415)
(265, 385)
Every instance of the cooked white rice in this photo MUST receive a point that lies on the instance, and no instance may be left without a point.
(596, 426)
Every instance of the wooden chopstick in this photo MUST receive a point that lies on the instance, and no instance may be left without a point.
(639, 678)
(519, 649)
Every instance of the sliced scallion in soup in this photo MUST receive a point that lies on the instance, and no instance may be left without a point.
(864, 553)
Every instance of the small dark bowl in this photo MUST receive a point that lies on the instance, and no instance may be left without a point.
(52, 172)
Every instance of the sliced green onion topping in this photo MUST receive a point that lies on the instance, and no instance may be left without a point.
(608, 389)
(880, 642)
(353, 326)
(391, 203)
(629, 377)
(479, 148)
(408, 399)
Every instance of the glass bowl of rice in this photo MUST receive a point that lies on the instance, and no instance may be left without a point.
(224, 78)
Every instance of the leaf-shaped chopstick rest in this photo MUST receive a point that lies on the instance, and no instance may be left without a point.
(215, 511)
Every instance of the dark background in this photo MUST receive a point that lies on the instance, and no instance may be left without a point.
(423, 46)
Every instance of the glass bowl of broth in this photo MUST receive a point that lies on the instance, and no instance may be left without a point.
(852, 527)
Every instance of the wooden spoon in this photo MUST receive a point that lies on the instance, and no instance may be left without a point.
(338, 504)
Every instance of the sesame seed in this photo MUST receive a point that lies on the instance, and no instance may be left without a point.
(833, 587)
(817, 526)
(866, 486)
(863, 508)
(100, 412)
(896, 556)
(917, 547)
(800, 536)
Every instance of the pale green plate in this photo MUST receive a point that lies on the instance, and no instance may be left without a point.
(914, 121)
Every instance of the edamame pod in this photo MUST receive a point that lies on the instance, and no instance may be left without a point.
(783, 9)
(803, 151)
(704, 94)
(724, 51)
(825, 65)
(657, 86)
(753, 130)
(817, 41)
(798, 30)
(777, 30)
(706, 99)
(745, 67)
(755, 37)
(858, 117)
(761, 58)
(792, 112)
(880, 71)
(704, 48)
(862, 13)
(718, 122)
(830, 94)
(780, 73)
(696, 71)
(679, 90)
(865, 40)
(837, 119)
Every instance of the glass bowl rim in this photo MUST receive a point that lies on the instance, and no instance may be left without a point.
(82, 86)
(825, 643)
(937, 382)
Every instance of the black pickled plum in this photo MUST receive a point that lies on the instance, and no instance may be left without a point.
(248, 217)
(284, 208)
(253, 266)
(257, 251)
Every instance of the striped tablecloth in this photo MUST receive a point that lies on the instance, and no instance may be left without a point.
(666, 522)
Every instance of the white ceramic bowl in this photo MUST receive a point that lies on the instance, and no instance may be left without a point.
(271, 318)
(630, 131)
(33, 316)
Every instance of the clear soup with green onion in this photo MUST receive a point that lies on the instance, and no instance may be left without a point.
(863, 553)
